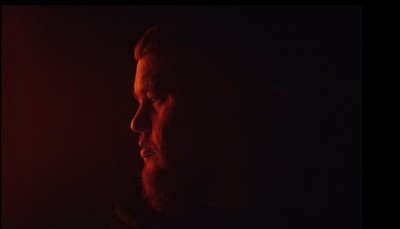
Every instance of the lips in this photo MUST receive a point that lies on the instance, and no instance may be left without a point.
(146, 153)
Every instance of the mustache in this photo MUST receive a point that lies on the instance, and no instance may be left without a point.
(146, 142)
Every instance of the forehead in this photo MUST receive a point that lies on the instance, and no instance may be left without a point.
(150, 72)
(165, 75)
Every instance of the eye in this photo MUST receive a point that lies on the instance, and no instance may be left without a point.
(153, 99)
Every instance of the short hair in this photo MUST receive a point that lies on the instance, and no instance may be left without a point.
(227, 41)
(235, 45)
(183, 34)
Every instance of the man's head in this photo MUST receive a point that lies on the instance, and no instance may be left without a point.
(184, 116)
(202, 99)
(226, 102)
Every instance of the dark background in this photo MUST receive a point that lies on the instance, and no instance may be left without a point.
(67, 75)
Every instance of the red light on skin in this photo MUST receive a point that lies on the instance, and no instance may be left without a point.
(145, 153)
(148, 158)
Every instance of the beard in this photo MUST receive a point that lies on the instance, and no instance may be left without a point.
(181, 174)
(158, 187)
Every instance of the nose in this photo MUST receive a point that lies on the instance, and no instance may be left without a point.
(141, 121)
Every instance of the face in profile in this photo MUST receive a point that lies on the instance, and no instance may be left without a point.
(151, 121)
(170, 137)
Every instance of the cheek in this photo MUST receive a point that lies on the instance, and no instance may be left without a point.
(162, 131)
(175, 130)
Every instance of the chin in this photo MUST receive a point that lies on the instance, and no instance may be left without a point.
(158, 187)
(167, 186)
(148, 185)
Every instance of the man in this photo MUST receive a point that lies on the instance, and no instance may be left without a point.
(221, 127)
(189, 142)
(191, 120)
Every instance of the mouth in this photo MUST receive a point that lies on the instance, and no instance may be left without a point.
(146, 153)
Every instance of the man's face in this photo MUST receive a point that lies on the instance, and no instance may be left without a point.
(168, 123)
(151, 122)
(155, 107)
